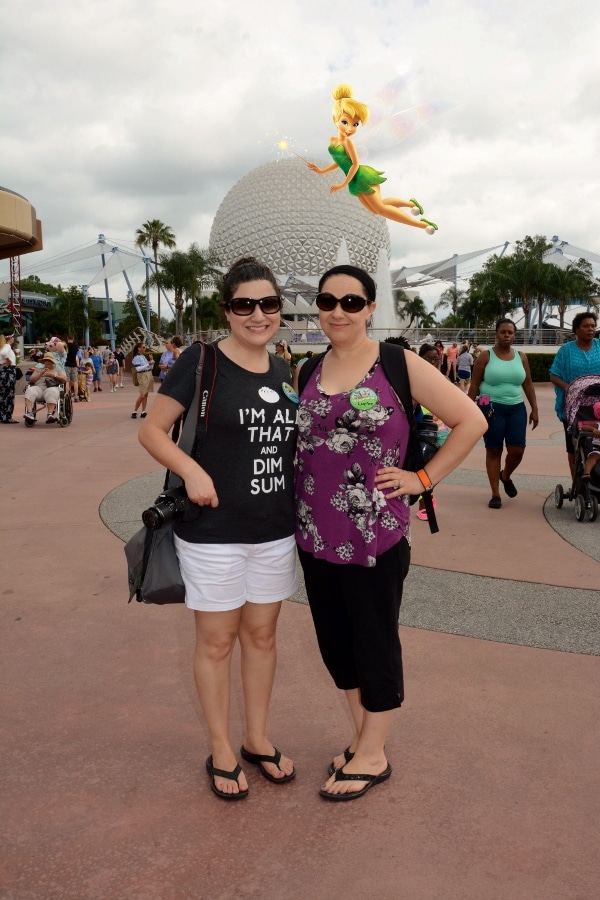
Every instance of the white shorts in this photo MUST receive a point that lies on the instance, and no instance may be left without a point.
(221, 577)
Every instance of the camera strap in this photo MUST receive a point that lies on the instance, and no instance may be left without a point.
(195, 419)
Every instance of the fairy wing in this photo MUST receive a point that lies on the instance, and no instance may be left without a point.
(389, 124)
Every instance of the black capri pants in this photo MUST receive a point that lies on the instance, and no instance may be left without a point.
(355, 611)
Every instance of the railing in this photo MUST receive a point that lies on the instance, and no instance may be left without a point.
(550, 337)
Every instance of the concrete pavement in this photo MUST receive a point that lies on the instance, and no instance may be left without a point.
(495, 752)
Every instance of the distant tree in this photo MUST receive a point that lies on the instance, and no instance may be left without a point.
(573, 284)
(506, 282)
(414, 309)
(176, 273)
(155, 234)
(204, 264)
(450, 299)
(67, 315)
(209, 314)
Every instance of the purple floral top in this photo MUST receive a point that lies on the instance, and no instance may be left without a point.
(340, 515)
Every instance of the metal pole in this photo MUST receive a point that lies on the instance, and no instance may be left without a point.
(86, 333)
(133, 297)
(111, 332)
(147, 262)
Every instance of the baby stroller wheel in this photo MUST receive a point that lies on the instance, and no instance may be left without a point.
(592, 512)
(559, 496)
(580, 507)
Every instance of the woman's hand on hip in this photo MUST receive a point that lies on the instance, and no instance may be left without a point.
(397, 482)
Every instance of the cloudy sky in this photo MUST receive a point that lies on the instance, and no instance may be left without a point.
(117, 112)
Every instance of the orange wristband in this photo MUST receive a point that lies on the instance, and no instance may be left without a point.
(425, 480)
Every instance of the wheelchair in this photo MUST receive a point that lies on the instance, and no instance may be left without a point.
(63, 411)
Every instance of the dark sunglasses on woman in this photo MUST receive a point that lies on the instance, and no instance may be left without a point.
(350, 303)
(244, 306)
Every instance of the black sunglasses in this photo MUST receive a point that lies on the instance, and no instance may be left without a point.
(350, 303)
(244, 306)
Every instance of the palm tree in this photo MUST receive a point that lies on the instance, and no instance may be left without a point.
(155, 233)
(414, 309)
(451, 298)
(207, 274)
(176, 273)
(574, 282)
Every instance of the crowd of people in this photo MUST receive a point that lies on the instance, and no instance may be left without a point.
(81, 370)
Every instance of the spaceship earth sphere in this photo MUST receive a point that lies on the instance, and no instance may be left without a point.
(283, 214)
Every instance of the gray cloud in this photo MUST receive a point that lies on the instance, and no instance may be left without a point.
(119, 112)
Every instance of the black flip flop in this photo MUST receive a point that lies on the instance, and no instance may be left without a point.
(257, 759)
(348, 755)
(371, 780)
(508, 486)
(233, 776)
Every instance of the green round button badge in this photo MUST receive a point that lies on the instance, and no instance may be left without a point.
(363, 398)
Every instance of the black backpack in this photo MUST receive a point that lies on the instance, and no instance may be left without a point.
(418, 452)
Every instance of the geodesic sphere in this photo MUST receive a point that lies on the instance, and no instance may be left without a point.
(283, 214)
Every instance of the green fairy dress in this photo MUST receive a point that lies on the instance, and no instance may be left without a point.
(364, 178)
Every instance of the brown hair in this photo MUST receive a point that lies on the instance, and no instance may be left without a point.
(246, 269)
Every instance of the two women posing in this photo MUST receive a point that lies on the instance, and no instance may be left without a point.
(352, 522)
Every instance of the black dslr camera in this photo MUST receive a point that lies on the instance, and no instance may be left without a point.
(168, 507)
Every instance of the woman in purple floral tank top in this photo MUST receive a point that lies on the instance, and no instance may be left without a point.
(353, 518)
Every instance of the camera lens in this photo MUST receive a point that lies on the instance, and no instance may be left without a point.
(153, 518)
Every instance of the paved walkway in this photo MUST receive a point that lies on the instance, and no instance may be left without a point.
(495, 752)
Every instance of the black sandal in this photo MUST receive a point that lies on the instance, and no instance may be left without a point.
(257, 759)
(232, 776)
(348, 755)
(371, 780)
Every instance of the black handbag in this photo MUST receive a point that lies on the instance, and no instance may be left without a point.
(153, 570)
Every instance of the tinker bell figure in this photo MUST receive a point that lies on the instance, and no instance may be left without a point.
(363, 181)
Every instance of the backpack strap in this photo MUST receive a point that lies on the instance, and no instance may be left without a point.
(393, 360)
(307, 368)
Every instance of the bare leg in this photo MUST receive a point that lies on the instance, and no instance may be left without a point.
(493, 457)
(514, 455)
(369, 758)
(590, 462)
(357, 711)
(216, 634)
(259, 661)
(379, 207)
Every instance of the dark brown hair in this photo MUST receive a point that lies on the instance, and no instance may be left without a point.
(244, 270)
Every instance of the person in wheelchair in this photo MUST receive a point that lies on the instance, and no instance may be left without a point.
(44, 384)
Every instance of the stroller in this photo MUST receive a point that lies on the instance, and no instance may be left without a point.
(580, 398)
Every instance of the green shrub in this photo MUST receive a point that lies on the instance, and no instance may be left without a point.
(539, 364)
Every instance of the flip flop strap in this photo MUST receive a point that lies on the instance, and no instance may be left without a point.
(344, 776)
(232, 776)
(259, 757)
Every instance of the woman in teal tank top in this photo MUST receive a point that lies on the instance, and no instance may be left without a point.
(363, 181)
(502, 375)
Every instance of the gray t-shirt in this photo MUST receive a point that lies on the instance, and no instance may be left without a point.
(248, 451)
(464, 362)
